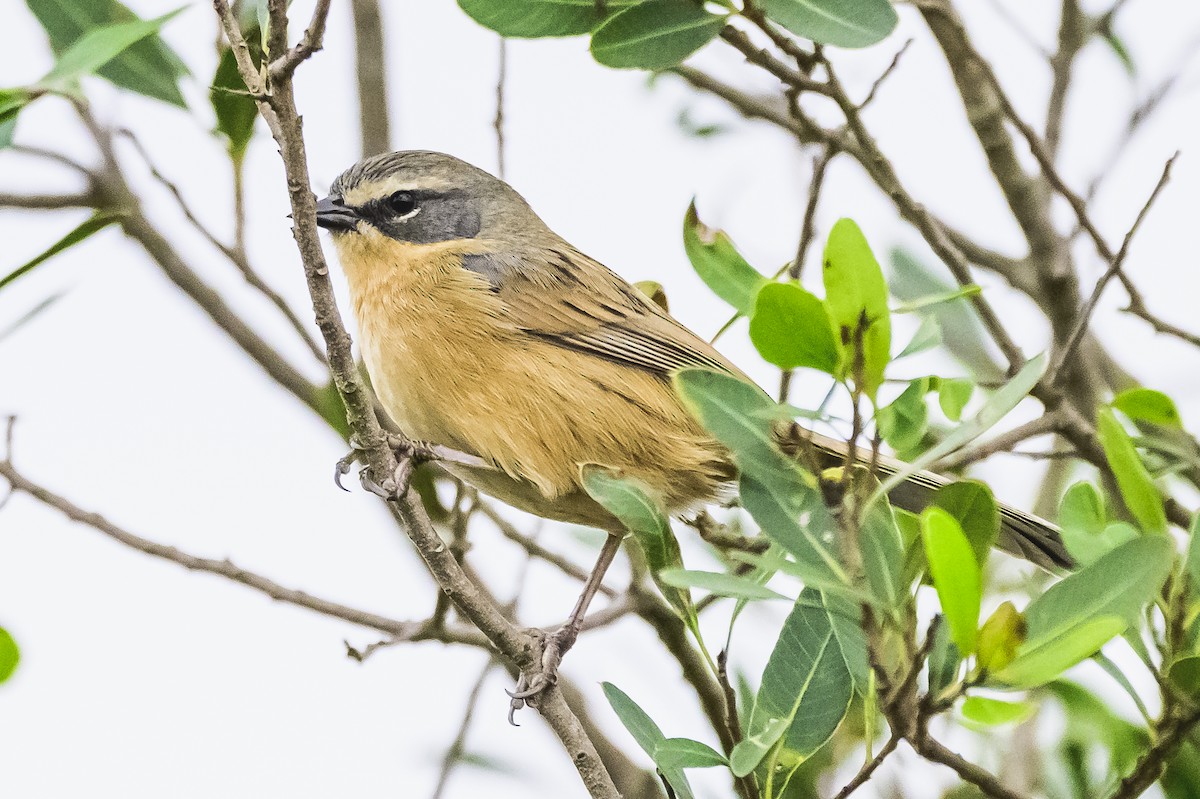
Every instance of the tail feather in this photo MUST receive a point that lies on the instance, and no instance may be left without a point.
(1021, 534)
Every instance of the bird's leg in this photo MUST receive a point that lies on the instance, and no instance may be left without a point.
(558, 642)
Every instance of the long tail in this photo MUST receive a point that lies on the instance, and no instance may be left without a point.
(1021, 534)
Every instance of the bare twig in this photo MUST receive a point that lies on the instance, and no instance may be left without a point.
(458, 747)
(1116, 261)
(48, 202)
(985, 781)
(370, 68)
(868, 768)
(498, 120)
(312, 41)
(883, 76)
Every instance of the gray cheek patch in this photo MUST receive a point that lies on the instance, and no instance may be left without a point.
(442, 218)
(496, 268)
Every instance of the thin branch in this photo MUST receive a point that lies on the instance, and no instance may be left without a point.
(51, 155)
(1043, 425)
(312, 41)
(48, 202)
(235, 254)
(885, 75)
(458, 747)
(1072, 31)
(498, 120)
(370, 67)
(985, 781)
(1116, 261)
(398, 630)
(868, 768)
(808, 224)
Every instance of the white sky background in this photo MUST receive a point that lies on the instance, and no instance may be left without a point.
(142, 680)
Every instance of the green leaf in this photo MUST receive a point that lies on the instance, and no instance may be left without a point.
(971, 503)
(962, 332)
(996, 408)
(845, 616)
(1039, 664)
(1148, 405)
(883, 554)
(944, 659)
(928, 336)
(1076, 616)
(750, 751)
(10, 655)
(148, 66)
(856, 296)
(843, 24)
(1192, 562)
(999, 638)
(644, 518)
(235, 110)
(99, 46)
(1184, 674)
(654, 34)
(1133, 479)
(647, 734)
(536, 19)
(718, 583)
(903, 421)
(953, 395)
(940, 298)
(1085, 527)
(992, 712)
(11, 103)
(791, 328)
(805, 683)
(720, 265)
(956, 575)
(8, 128)
(98, 221)
(685, 753)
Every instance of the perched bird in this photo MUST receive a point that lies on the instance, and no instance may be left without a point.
(486, 332)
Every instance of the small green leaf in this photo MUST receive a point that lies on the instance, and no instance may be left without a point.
(98, 47)
(1086, 530)
(644, 518)
(940, 298)
(999, 638)
(750, 751)
(995, 409)
(686, 753)
(993, 712)
(8, 128)
(99, 221)
(720, 265)
(655, 291)
(718, 583)
(654, 34)
(856, 296)
(903, 422)
(148, 66)
(805, 684)
(858, 24)
(1075, 617)
(1148, 405)
(536, 19)
(10, 655)
(1040, 663)
(791, 328)
(235, 109)
(953, 395)
(1192, 562)
(883, 554)
(1133, 479)
(647, 734)
(956, 575)
(971, 503)
(944, 659)
(1184, 674)
(928, 336)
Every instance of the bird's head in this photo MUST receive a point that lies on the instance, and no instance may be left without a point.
(422, 197)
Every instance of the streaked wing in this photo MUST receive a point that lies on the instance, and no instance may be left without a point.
(570, 300)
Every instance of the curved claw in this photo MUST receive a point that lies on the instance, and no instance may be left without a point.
(372, 486)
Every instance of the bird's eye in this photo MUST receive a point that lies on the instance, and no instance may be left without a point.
(402, 203)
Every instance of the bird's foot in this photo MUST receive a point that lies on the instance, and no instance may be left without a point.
(409, 454)
(530, 686)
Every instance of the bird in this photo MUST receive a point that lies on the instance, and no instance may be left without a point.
(485, 332)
